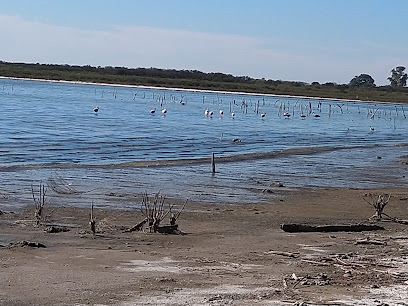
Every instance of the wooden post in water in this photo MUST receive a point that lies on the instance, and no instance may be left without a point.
(213, 163)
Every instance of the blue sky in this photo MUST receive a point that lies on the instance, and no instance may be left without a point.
(297, 40)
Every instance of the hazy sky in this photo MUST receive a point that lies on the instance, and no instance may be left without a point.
(297, 40)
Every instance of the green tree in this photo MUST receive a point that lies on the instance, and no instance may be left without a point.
(398, 77)
(362, 80)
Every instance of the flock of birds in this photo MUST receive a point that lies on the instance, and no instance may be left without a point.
(207, 112)
(153, 110)
(210, 113)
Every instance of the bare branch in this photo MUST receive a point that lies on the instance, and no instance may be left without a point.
(154, 212)
(39, 202)
(182, 208)
(379, 205)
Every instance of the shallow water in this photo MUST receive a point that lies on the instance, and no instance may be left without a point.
(50, 129)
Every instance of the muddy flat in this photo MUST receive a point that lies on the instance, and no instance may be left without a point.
(226, 254)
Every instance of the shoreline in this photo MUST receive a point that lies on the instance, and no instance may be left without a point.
(198, 90)
(253, 156)
(234, 182)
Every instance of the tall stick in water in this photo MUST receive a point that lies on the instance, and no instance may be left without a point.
(213, 163)
(92, 221)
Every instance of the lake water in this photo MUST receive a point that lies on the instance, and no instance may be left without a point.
(50, 130)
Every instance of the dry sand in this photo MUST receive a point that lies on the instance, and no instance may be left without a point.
(229, 255)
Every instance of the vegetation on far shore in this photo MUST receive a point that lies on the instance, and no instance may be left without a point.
(360, 87)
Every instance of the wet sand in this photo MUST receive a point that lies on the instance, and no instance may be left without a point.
(229, 255)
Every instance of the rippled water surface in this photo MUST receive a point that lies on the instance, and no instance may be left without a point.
(50, 128)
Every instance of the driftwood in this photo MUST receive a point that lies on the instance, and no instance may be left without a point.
(56, 229)
(353, 265)
(154, 212)
(297, 228)
(137, 227)
(25, 243)
(405, 222)
(287, 254)
(162, 229)
(316, 262)
(168, 229)
(370, 241)
(379, 205)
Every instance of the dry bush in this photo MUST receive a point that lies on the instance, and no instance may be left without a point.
(155, 211)
(39, 202)
(379, 204)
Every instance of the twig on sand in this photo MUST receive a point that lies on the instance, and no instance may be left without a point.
(353, 265)
(39, 202)
(287, 254)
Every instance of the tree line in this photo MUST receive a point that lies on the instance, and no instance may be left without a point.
(360, 87)
(397, 79)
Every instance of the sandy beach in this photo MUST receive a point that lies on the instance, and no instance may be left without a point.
(227, 255)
